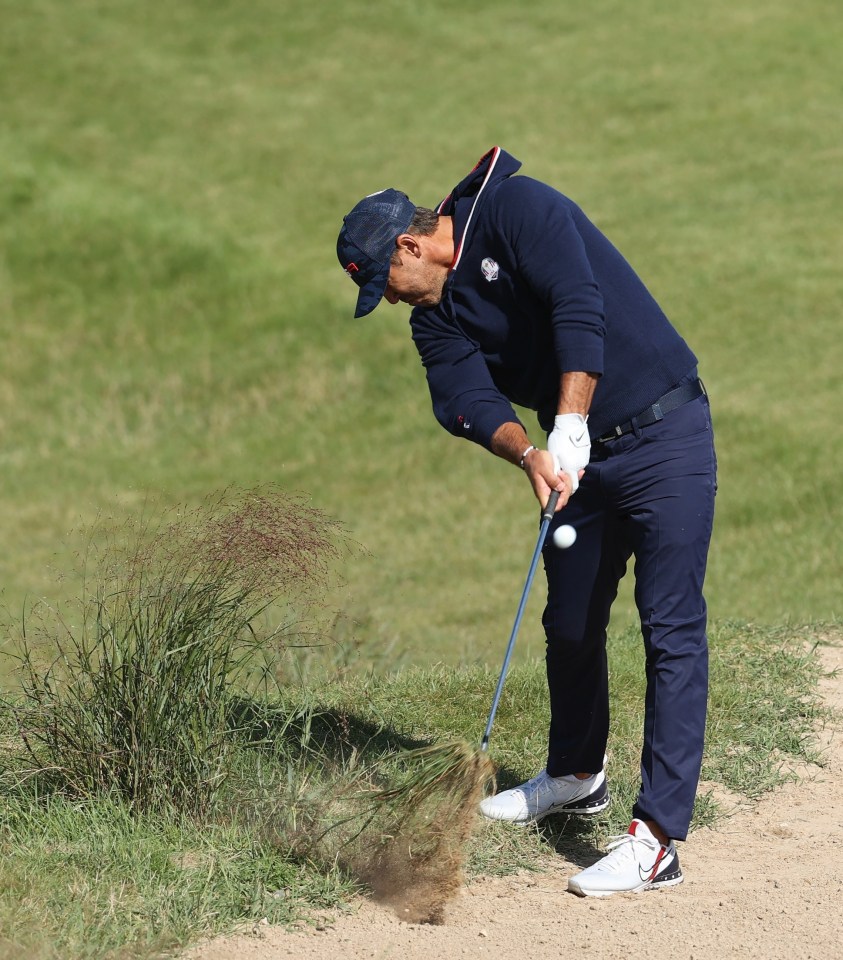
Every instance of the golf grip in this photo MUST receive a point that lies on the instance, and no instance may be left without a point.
(547, 516)
(550, 509)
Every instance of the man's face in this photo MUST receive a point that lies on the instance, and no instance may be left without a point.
(416, 280)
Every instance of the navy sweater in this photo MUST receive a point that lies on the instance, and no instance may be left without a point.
(537, 290)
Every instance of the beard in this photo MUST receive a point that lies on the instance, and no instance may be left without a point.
(428, 288)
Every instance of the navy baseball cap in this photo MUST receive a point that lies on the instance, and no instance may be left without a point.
(367, 240)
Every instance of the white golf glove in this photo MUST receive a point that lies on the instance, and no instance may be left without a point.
(570, 445)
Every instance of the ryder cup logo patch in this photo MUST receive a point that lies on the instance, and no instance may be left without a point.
(490, 269)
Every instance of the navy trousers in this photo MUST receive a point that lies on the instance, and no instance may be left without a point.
(648, 495)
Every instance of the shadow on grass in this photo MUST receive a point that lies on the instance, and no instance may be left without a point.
(573, 838)
(331, 733)
(336, 735)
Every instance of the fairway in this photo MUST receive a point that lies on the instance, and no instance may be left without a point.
(175, 321)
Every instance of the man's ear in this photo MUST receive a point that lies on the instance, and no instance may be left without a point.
(407, 243)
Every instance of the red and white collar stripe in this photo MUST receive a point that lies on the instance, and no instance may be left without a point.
(495, 152)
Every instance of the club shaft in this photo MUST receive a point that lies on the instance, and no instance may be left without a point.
(547, 516)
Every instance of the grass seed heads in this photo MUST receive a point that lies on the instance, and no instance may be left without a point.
(137, 693)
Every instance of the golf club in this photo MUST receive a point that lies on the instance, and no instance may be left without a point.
(547, 516)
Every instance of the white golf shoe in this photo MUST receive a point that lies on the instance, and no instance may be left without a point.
(636, 861)
(544, 795)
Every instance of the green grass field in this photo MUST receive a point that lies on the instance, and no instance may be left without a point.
(174, 321)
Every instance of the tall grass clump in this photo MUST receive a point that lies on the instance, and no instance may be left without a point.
(181, 616)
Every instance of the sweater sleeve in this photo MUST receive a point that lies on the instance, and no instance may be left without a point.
(539, 224)
(465, 400)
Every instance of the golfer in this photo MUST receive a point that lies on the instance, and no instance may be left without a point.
(518, 298)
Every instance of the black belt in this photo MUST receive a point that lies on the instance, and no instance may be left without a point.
(670, 401)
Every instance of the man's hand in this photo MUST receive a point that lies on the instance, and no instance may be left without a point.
(570, 446)
(539, 468)
(511, 443)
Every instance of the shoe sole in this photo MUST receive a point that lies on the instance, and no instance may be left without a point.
(588, 809)
(669, 880)
(582, 810)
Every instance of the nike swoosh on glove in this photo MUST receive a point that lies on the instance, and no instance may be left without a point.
(570, 445)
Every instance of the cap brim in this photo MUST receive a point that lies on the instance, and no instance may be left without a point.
(371, 294)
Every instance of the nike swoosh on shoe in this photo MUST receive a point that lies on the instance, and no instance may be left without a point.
(647, 875)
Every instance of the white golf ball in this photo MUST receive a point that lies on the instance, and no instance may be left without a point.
(564, 536)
